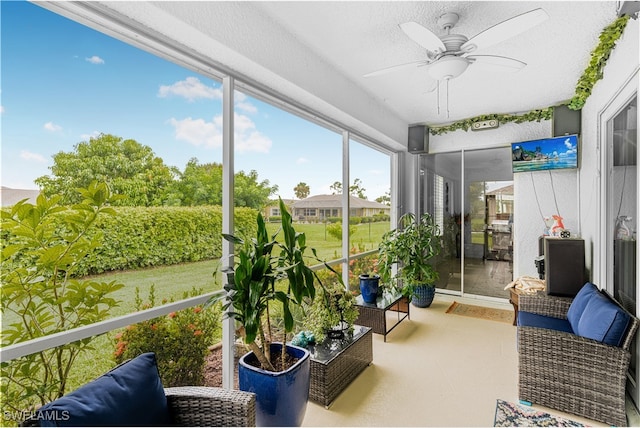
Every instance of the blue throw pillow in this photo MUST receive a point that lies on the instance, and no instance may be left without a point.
(604, 321)
(129, 395)
(579, 303)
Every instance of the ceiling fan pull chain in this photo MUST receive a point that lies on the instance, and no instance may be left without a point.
(438, 96)
(447, 98)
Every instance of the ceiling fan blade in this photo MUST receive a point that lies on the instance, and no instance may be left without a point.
(423, 36)
(505, 30)
(397, 68)
(497, 63)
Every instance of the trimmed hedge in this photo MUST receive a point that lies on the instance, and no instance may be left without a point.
(155, 236)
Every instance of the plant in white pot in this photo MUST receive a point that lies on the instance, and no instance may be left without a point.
(253, 287)
(411, 247)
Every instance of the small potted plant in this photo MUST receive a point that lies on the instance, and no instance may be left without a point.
(277, 374)
(412, 246)
(332, 312)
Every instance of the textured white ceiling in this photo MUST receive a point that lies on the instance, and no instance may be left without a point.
(360, 37)
(317, 52)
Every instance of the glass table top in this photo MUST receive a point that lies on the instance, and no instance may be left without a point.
(330, 348)
(382, 302)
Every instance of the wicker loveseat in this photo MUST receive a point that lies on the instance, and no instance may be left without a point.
(574, 353)
(132, 395)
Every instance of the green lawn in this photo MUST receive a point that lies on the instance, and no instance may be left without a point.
(171, 282)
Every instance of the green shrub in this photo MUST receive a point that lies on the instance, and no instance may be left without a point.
(355, 220)
(180, 341)
(47, 244)
(155, 236)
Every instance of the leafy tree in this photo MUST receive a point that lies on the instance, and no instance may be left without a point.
(302, 190)
(40, 292)
(128, 167)
(251, 193)
(385, 199)
(199, 184)
(355, 189)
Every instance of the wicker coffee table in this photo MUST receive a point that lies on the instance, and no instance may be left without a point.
(374, 315)
(335, 363)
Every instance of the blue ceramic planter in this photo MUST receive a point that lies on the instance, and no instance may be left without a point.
(281, 397)
(369, 286)
(423, 296)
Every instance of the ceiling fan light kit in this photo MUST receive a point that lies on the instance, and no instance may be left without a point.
(447, 56)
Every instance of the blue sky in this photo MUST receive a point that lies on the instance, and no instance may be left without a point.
(63, 83)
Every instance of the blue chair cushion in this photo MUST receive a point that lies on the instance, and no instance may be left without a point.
(129, 395)
(528, 319)
(579, 303)
(604, 321)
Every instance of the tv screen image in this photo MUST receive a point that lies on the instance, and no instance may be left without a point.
(545, 154)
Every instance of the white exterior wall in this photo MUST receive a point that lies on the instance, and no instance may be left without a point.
(622, 65)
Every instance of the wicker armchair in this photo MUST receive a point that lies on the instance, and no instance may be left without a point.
(200, 406)
(132, 394)
(568, 372)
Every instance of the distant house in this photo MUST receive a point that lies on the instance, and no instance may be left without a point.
(321, 207)
(9, 197)
(273, 208)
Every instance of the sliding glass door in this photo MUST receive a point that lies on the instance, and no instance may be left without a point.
(470, 194)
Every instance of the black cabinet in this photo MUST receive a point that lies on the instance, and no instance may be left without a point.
(564, 266)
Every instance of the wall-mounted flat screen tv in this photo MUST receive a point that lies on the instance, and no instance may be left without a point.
(545, 154)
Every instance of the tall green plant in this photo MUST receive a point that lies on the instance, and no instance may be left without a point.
(411, 246)
(39, 288)
(251, 284)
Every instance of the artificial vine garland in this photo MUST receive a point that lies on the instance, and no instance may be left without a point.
(584, 86)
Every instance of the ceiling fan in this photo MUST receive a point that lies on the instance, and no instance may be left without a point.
(448, 56)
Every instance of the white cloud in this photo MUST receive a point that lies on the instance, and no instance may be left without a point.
(52, 127)
(241, 103)
(191, 88)
(95, 60)
(568, 144)
(199, 132)
(30, 156)
(300, 161)
(1, 109)
(87, 137)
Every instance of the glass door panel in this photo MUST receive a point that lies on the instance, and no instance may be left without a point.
(488, 219)
(622, 205)
(441, 196)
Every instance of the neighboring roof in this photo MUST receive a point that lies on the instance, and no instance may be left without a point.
(506, 190)
(274, 202)
(335, 201)
(9, 197)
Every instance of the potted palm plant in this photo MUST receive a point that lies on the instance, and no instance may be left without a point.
(411, 247)
(269, 274)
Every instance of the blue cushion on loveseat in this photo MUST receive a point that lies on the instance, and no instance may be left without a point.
(129, 395)
(603, 320)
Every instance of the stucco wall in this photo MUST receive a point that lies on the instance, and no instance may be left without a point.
(622, 65)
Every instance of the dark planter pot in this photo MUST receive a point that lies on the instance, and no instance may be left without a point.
(281, 397)
(423, 296)
(369, 286)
